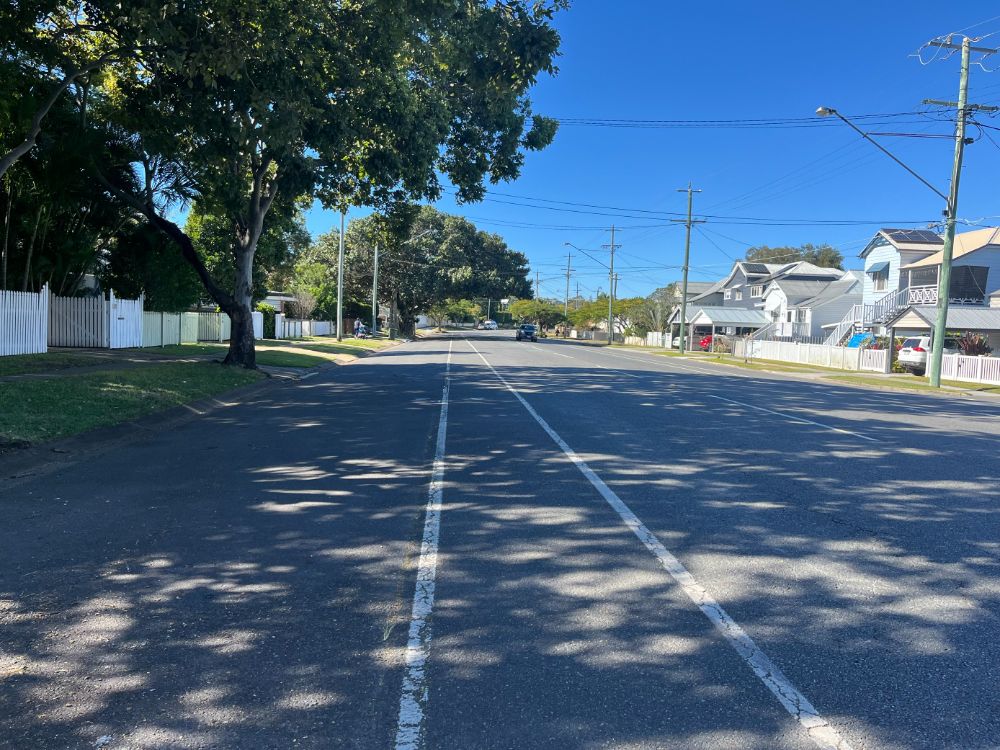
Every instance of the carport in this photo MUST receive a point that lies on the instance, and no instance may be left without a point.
(920, 319)
(734, 321)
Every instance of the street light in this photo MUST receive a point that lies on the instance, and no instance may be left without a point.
(951, 202)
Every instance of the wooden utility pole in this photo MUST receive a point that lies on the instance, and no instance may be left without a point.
(611, 287)
(687, 261)
(569, 270)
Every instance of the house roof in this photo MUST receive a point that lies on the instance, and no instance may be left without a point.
(697, 287)
(904, 239)
(716, 286)
(966, 317)
(965, 243)
(729, 316)
(848, 284)
(797, 292)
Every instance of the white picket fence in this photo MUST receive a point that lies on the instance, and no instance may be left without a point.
(95, 322)
(167, 329)
(837, 357)
(24, 322)
(318, 328)
(971, 369)
(290, 328)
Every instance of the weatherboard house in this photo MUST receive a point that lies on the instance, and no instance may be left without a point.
(902, 268)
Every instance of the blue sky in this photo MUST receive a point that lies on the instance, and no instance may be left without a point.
(635, 59)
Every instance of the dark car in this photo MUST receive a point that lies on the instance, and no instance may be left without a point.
(527, 332)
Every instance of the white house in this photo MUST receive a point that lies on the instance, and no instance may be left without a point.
(800, 308)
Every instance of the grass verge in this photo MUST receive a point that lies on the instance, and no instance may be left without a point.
(26, 364)
(913, 383)
(38, 410)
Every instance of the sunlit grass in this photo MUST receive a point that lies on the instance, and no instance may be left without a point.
(44, 409)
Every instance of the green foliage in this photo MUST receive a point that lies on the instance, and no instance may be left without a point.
(143, 261)
(824, 255)
(269, 323)
(427, 257)
(545, 313)
(974, 345)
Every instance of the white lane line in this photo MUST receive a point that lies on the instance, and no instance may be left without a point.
(822, 733)
(410, 727)
(794, 417)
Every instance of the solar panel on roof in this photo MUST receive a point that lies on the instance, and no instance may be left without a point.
(914, 235)
(755, 268)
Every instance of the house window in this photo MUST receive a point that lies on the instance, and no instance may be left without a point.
(880, 275)
(789, 315)
(757, 290)
(880, 282)
(728, 294)
(800, 316)
(739, 294)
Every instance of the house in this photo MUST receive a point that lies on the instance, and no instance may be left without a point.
(975, 268)
(800, 308)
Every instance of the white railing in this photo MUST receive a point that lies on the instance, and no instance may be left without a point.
(873, 360)
(922, 295)
(24, 322)
(847, 324)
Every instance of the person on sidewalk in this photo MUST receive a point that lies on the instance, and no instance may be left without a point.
(357, 327)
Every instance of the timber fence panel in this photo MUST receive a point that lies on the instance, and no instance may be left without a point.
(208, 327)
(152, 329)
(279, 326)
(125, 322)
(258, 324)
(189, 328)
(873, 360)
(78, 322)
(225, 327)
(24, 322)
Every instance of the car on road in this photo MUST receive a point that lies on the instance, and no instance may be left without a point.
(490, 325)
(527, 332)
(913, 353)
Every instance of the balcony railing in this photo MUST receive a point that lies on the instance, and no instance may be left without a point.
(922, 295)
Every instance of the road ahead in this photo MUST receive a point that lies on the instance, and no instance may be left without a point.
(468, 542)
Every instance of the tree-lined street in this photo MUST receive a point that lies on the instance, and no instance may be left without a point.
(847, 533)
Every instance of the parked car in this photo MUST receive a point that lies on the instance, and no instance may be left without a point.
(490, 325)
(913, 353)
(527, 332)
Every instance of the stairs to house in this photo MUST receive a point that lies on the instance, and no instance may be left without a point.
(860, 317)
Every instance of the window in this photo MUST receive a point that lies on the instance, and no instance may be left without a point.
(757, 290)
(728, 294)
(739, 294)
(788, 316)
(880, 282)
(800, 315)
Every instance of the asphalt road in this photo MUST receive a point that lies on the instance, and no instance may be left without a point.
(469, 542)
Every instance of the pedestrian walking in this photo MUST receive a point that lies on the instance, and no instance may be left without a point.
(357, 327)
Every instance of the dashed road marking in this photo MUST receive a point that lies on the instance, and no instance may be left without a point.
(794, 417)
(820, 731)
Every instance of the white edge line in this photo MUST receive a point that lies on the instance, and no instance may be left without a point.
(794, 417)
(822, 733)
(410, 726)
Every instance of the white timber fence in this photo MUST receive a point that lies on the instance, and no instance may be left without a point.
(291, 328)
(635, 341)
(317, 328)
(837, 357)
(24, 322)
(166, 329)
(95, 322)
(971, 369)
(214, 327)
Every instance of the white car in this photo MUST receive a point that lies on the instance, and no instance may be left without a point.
(490, 325)
(913, 354)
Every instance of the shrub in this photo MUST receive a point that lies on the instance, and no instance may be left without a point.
(269, 313)
(974, 345)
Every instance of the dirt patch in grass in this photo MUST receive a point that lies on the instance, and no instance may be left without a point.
(34, 411)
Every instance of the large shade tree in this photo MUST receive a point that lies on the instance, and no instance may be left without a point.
(354, 102)
(427, 257)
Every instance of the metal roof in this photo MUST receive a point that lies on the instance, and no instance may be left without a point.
(878, 267)
(729, 316)
(965, 317)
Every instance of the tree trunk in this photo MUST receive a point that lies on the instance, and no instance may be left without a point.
(31, 250)
(241, 342)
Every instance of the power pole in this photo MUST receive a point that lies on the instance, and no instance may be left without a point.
(569, 270)
(576, 302)
(951, 210)
(340, 281)
(375, 293)
(611, 287)
(536, 284)
(687, 260)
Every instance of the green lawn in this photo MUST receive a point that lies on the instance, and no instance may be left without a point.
(769, 364)
(39, 410)
(23, 364)
(913, 382)
(186, 350)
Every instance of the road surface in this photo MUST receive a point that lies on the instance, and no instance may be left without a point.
(468, 542)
